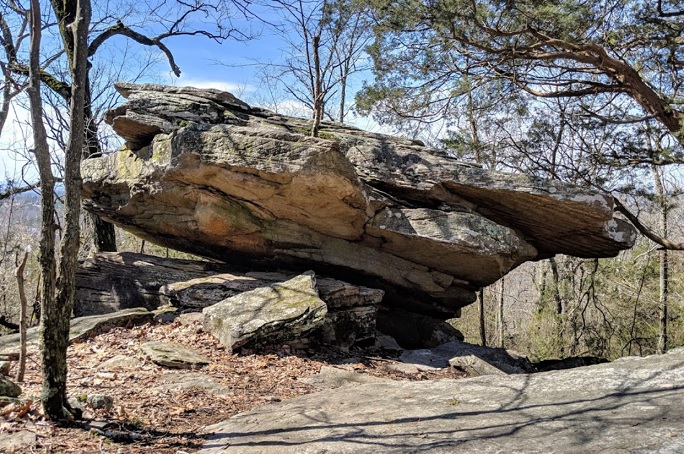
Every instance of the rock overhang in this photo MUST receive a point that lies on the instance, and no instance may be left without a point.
(211, 176)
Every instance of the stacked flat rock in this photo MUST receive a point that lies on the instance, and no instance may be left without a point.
(203, 172)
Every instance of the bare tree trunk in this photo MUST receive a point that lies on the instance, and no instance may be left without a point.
(481, 316)
(501, 322)
(48, 227)
(343, 95)
(663, 256)
(318, 88)
(75, 21)
(541, 298)
(556, 286)
(664, 279)
(23, 309)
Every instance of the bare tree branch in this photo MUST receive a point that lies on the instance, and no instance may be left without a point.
(121, 29)
(648, 233)
(14, 191)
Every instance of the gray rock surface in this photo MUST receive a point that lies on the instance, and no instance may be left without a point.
(207, 174)
(121, 362)
(8, 388)
(331, 377)
(194, 380)
(279, 312)
(352, 309)
(170, 354)
(111, 281)
(100, 402)
(17, 442)
(631, 405)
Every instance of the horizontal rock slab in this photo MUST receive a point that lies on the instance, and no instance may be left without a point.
(83, 327)
(630, 405)
(107, 281)
(206, 291)
(205, 173)
(279, 312)
(110, 281)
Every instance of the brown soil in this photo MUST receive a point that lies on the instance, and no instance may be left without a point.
(149, 417)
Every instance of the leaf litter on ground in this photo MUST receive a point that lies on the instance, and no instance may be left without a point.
(151, 412)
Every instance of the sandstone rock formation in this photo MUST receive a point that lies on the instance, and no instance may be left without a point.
(205, 173)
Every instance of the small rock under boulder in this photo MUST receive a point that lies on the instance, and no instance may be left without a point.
(266, 315)
(415, 331)
(473, 359)
(169, 354)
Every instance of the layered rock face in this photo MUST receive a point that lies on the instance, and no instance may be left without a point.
(205, 173)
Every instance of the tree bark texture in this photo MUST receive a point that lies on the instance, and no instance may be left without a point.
(502, 325)
(74, 24)
(481, 313)
(318, 88)
(50, 361)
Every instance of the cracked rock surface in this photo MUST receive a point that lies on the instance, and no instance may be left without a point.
(205, 173)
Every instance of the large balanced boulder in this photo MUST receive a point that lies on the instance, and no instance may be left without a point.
(205, 173)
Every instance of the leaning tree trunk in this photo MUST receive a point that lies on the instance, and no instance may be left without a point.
(23, 322)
